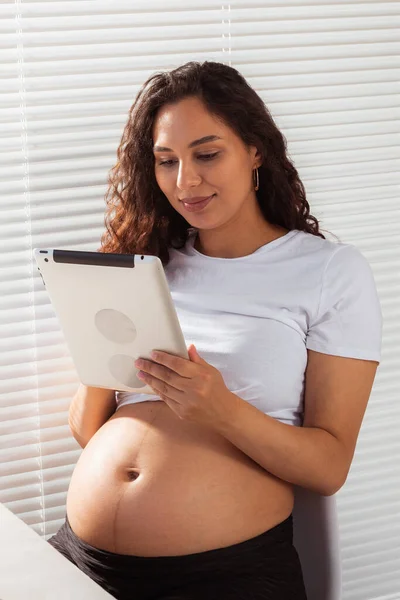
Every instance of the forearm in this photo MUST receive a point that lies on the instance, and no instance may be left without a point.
(90, 408)
(309, 457)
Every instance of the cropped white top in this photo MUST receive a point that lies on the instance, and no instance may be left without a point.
(254, 317)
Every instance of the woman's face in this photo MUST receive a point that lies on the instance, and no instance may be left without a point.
(221, 167)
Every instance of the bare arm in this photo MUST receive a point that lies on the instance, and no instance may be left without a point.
(90, 408)
(318, 455)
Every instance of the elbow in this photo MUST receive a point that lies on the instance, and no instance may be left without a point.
(336, 473)
(333, 485)
(331, 491)
(81, 441)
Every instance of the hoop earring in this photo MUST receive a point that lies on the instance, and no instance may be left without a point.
(257, 180)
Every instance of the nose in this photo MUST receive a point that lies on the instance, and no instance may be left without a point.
(187, 176)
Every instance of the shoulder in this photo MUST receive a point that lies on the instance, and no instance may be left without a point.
(326, 254)
(341, 266)
(308, 242)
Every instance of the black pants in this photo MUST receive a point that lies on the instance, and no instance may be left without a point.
(266, 567)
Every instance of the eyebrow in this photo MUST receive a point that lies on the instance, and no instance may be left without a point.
(203, 140)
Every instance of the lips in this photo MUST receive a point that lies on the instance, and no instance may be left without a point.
(197, 206)
(195, 200)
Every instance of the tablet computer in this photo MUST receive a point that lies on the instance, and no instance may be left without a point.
(112, 309)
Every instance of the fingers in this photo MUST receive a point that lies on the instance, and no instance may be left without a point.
(182, 366)
(160, 376)
(160, 387)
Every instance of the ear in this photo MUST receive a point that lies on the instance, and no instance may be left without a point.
(256, 157)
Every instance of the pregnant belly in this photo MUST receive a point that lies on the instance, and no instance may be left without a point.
(151, 484)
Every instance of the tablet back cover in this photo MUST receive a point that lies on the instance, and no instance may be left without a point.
(112, 308)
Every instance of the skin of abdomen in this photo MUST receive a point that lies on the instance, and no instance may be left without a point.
(151, 484)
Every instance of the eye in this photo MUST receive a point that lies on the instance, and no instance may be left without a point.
(169, 163)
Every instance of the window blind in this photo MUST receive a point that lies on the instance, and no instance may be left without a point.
(328, 72)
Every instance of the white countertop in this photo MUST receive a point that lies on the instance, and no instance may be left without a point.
(31, 568)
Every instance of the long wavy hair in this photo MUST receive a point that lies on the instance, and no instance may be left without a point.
(139, 219)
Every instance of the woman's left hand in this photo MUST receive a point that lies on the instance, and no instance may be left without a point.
(193, 389)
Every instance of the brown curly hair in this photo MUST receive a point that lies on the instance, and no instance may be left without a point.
(139, 218)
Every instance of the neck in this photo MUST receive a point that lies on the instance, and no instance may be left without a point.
(217, 245)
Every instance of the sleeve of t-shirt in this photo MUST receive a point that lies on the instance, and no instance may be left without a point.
(348, 321)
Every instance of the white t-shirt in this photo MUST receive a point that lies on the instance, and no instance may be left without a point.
(254, 317)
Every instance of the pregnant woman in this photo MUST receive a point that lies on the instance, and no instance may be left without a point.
(187, 494)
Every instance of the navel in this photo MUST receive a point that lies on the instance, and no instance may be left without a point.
(132, 474)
